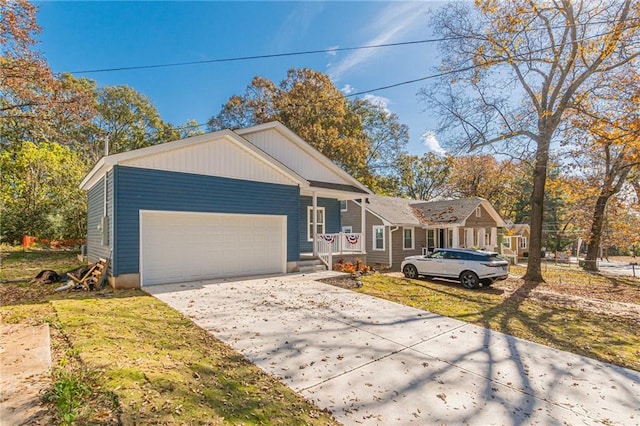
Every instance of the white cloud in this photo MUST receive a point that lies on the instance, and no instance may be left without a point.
(380, 101)
(429, 140)
(347, 89)
(331, 51)
(393, 21)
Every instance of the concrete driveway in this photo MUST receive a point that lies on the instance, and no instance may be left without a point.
(371, 361)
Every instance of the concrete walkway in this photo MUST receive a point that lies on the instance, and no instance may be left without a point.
(376, 362)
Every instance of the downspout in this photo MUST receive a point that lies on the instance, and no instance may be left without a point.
(391, 231)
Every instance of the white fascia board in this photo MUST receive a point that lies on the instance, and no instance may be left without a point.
(317, 155)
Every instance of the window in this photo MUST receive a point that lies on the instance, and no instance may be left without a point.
(319, 220)
(347, 229)
(343, 205)
(407, 238)
(523, 242)
(506, 242)
(378, 238)
(478, 212)
(431, 239)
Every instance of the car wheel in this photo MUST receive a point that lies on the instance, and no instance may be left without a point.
(469, 279)
(410, 271)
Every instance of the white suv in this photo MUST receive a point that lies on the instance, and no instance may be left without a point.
(471, 267)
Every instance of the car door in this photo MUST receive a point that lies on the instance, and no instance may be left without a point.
(453, 263)
(431, 265)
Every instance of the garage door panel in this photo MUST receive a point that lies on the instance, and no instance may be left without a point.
(180, 247)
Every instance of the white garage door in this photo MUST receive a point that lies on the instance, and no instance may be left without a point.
(181, 247)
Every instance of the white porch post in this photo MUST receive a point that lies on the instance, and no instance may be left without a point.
(469, 233)
(494, 237)
(314, 220)
(481, 238)
(455, 241)
(363, 222)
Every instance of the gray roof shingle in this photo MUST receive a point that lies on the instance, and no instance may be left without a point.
(401, 211)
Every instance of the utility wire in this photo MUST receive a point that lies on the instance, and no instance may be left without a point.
(428, 77)
(273, 55)
(304, 52)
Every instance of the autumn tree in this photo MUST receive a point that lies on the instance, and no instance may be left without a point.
(610, 125)
(425, 177)
(34, 104)
(125, 119)
(501, 182)
(360, 136)
(512, 71)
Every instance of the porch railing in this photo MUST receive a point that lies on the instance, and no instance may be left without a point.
(340, 243)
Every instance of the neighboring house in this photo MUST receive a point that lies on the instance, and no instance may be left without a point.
(228, 203)
(398, 227)
(515, 241)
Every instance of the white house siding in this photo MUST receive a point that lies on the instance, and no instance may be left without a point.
(219, 157)
(289, 153)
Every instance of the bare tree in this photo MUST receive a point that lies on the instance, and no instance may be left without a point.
(513, 70)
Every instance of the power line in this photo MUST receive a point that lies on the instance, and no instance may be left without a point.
(300, 53)
(267, 56)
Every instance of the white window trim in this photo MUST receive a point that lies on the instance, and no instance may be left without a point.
(373, 238)
(478, 212)
(413, 239)
(523, 242)
(321, 227)
(346, 206)
(348, 229)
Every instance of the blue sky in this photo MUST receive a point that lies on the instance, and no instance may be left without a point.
(96, 35)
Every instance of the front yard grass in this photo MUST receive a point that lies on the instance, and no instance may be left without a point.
(125, 357)
(510, 307)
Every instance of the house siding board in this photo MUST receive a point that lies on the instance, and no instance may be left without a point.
(352, 217)
(95, 211)
(145, 189)
(484, 221)
(332, 219)
(219, 157)
(278, 146)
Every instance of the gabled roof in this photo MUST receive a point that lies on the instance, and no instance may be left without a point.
(454, 212)
(403, 212)
(301, 157)
(208, 154)
(145, 157)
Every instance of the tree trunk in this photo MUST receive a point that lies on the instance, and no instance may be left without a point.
(595, 235)
(534, 269)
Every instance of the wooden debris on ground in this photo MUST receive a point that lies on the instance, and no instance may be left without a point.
(91, 278)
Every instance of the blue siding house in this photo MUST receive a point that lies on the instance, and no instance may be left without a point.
(229, 203)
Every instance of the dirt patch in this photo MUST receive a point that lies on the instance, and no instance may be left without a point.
(348, 282)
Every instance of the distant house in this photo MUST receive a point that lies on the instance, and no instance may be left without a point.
(229, 203)
(515, 241)
(398, 227)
